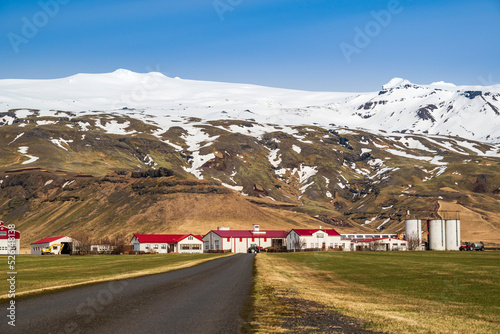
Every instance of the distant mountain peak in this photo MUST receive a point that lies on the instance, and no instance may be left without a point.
(396, 83)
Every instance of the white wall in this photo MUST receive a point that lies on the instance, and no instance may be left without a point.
(314, 241)
(190, 245)
(36, 249)
(6, 247)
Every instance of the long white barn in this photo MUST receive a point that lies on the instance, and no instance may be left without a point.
(167, 243)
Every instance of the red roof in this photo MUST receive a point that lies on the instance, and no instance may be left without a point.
(250, 234)
(48, 240)
(16, 234)
(304, 232)
(163, 238)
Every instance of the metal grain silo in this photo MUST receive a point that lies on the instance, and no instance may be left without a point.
(437, 237)
(413, 229)
(452, 234)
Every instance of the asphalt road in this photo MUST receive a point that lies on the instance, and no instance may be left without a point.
(208, 298)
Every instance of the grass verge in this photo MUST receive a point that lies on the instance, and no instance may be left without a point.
(39, 274)
(399, 292)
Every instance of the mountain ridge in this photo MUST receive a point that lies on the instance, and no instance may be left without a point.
(471, 112)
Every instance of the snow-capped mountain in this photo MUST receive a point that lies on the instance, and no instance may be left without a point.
(470, 112)
(169, 154)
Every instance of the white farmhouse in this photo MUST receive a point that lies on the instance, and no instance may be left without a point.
(9, 240)
(167, 243)
(320, 239)
(238, 241)
(55, 244)
(379, 244)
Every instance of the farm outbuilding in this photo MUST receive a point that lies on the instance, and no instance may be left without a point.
(383, 244)
(167, 243)
(9, 240)
(320, 239)
(238, 241)
(57, 245)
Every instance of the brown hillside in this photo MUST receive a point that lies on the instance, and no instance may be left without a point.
(43, 203)
(476, 225)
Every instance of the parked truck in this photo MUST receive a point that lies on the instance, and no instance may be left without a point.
(472, 246)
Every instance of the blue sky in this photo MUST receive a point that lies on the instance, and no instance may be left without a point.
(311, 45)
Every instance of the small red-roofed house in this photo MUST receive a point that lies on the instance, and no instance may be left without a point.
(55, 242)
(320, 239)
(9, 240)
(167, 243)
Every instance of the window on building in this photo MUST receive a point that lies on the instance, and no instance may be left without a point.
(359, 236)
(190, 237)
(163, 246)
(385, 236)
(185, 246)
(3, 232)
(320, 235)
(155, 247)
(147, 246)
(196, 246)
(216, 244)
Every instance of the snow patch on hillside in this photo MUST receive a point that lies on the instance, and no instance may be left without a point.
(61, 141)
(197, 139)
(24, 150)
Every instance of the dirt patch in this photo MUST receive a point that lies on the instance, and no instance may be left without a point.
(448, 189)
(305, 316)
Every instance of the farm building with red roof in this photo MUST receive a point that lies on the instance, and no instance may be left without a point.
(54, 243)
(9, 240)
(301, 239)
(238, 241)
(167, 243)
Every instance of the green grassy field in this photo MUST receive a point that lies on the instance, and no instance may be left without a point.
(37, 274)
(423, 292)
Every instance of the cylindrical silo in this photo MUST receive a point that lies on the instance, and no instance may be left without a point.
(413, 229)
(452, 234)
(437, 237)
